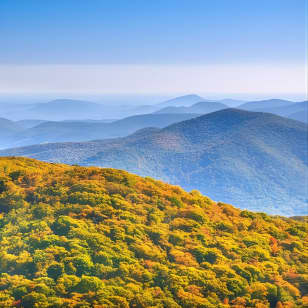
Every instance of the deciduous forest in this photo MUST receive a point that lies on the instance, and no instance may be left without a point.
(72, 236)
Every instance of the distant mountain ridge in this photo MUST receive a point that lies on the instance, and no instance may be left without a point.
(74, 121)
(71, 109)
(199, 108)
(182, 101)
(293, 110)
(68, 131)
(264, 104)
(256, 160)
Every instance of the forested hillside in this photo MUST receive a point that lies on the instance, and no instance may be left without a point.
(88, 237)
(256, 160)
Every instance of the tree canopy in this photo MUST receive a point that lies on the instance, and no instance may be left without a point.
(72, 236)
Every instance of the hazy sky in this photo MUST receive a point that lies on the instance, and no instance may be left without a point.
(153, 46)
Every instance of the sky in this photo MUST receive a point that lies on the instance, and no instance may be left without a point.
(162, 46)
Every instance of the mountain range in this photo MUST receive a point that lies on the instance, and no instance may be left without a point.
(293, 110)
(58, 110)
(35, 130)
(198, 108)
(72, 109)
(16, 134)
(265, 104)
(256, 160)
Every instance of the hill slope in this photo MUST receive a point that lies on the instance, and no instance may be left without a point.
(297, 111)
(182, 101)
(90, 237)
(299, 116)
(255, 160)
(265, 104)
(89, 130)
(8, 129)
(232, 103)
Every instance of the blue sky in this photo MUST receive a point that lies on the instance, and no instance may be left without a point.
(153, 33)
(139, 32)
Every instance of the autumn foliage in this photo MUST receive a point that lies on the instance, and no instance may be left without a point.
(89, 237)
